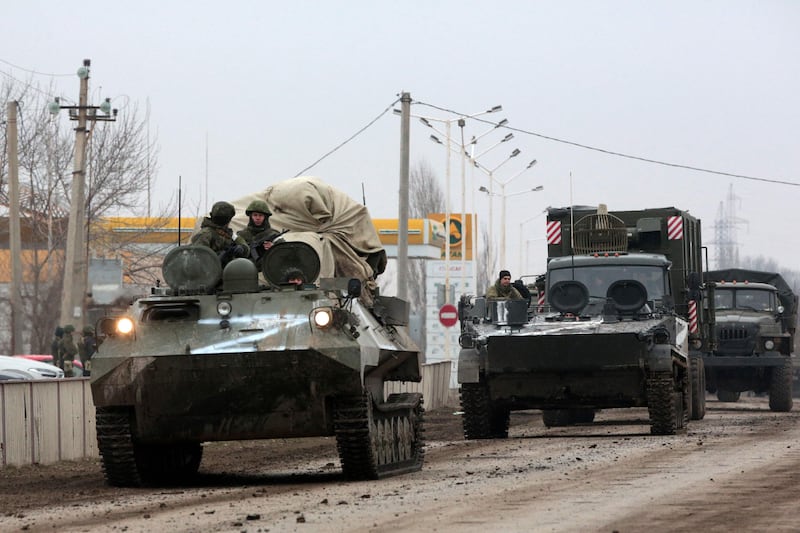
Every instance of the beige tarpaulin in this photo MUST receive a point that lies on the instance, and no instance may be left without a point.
(346, 232)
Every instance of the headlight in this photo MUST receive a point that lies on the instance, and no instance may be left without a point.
(769, 344)
(322, 317)
(124, 326)
(224, 308)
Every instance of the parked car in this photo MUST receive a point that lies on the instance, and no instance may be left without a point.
(77, 366)
(24, 368)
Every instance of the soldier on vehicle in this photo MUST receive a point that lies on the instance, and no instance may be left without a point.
(502, 288)
(215, 234)
(294, 276)
(258, 234)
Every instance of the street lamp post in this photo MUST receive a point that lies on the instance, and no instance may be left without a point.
(490, 173)
(503, 212)
(504, 196)
(521, 224)
(461, 122)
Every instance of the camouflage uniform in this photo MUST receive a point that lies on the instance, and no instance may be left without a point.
(87, 347)
(68, 349)
(498, 291)
(254, 233)
(55, 347)
(215, 233)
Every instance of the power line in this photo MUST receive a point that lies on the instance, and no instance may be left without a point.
(28, 85)
(620, 154)
(34, 71)
(356, 134)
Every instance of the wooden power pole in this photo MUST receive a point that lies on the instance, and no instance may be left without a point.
(74, 294)
(15, 247)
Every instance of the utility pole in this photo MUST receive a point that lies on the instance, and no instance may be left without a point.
(402, 233)
(73, 296)
(15, 247)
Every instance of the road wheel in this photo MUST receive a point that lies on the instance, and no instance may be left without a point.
(780, 388)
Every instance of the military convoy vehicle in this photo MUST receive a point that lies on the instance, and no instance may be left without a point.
(756, 317)
(218, 355)
(622, 326)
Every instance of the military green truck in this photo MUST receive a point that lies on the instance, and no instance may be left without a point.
(756, 317)
(622, 326)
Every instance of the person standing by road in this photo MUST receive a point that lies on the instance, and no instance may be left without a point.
(86, 349)
(502, 288)
(68, 350)
(55, 347)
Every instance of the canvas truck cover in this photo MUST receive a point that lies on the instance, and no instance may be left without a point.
(345, 231)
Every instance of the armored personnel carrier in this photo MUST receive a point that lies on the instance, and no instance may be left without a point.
(620, 327)
(219, 355)
(756, 317)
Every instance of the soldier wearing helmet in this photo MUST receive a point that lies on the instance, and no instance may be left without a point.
(68, 350)
(215, 233)
(258, 234)
(87, 347)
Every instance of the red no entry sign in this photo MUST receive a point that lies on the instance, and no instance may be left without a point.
(448, 315)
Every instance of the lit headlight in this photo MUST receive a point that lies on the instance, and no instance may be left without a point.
(322, 317)
(769, 344)
(124, 326)
(224, 308)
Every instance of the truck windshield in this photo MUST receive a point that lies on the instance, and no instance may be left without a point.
(598, 278)
(748, 299)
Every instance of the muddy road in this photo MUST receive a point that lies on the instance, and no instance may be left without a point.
(737, 470)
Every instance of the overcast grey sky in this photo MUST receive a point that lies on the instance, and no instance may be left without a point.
(275, 85)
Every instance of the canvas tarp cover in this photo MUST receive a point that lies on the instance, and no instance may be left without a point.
(307, 204)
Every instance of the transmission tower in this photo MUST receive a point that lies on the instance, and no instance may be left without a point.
(725, 227)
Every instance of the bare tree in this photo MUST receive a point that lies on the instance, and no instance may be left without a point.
(118, 164)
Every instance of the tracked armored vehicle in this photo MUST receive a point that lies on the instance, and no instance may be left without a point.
(756, 317)
(620, 327)
(221, 355)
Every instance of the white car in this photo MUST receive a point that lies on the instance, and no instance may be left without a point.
(21, 368)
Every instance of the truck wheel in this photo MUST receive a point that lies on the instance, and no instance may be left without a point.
(698, 410)
(482, 419)
(555, 418)
(665, 404)
(728, 396)
(582, 416)
(780, 388)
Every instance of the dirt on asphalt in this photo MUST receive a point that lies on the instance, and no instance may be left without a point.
(738, 469)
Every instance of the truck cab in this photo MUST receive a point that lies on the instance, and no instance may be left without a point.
(754, 334)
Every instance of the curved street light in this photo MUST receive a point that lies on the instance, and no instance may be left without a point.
(521, 224)
(502, 194)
